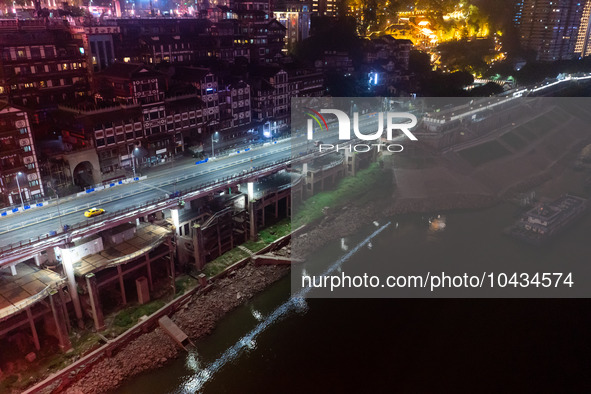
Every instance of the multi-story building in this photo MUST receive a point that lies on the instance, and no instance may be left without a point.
(20, 180)
(296, 22)
(390, 48)
(154, 41)
(583, 45)
(270, 98)
(304, 82)
(337, 61)
(135, 119)
(43, 63)
(235, 108)
(550, 28)
(206, 84)
(229, 39)
(121, 133)
(131, 83)
(252, 5)
(324, 8)
(99, 39)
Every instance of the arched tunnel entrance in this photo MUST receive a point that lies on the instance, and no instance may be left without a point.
(82, 174)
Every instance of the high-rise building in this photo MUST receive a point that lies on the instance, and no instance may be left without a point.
(20, 180)
(583, 45)
(550, 28)
(296, 19)
(324, 7)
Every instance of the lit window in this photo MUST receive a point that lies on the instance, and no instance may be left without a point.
(126, 59)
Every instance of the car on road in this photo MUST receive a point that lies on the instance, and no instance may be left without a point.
(94, 212)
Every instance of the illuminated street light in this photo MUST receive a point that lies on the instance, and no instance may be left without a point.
(136, 149)
(20, 194)
(216, 135)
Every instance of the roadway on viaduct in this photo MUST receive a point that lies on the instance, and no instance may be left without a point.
(29, 225)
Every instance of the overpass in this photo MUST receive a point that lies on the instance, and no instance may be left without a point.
(25, 234)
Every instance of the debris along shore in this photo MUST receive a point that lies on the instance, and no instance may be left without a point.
(197, 319)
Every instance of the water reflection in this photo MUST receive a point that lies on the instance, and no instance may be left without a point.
(296, 304)
(437, 223)
(256, 314)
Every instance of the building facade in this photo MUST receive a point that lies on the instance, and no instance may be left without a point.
(550, 28)
(20, 180)
(42, 64)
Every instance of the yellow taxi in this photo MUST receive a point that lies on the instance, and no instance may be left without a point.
(94, 212)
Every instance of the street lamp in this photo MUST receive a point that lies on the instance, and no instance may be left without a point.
(57, 201)
(216, 135)
(136, 149)
(20, 194)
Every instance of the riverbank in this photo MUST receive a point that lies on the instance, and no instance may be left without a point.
(197, 319)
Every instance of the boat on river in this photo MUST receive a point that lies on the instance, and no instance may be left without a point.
(543, 222)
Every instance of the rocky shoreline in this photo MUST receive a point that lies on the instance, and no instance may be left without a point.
(200, 315)
(197, 319)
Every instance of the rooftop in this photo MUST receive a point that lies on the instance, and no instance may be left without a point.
(30, 285)
(128, 70)
(147, 238)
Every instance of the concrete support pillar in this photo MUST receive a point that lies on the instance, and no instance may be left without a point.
(253, 221)
(174, 214)
(218, 230)
(250, 188)
(351, 163)
(64, 302)
(121, 285)
(198, 253)
(143, 294)
(13, 269)
(171, 262)
(38, 260)
(33, 329)
(149, 267)
(276, 208)
(60, 318)
(95, 305)
(67, 261)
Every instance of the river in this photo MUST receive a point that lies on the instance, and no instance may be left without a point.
(273, 345)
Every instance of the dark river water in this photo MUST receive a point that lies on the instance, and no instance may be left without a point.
(274, 345)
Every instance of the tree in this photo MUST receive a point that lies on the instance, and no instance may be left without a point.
(419, 62)
(461, 79)
(487, 90)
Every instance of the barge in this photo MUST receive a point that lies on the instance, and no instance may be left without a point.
(542, 223)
